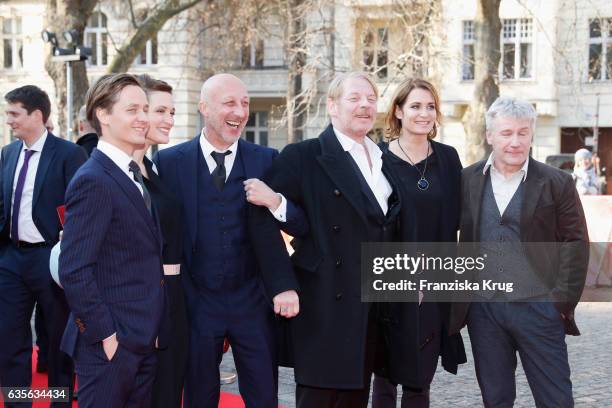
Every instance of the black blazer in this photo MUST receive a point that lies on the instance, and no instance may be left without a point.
(88, 142)
(328, 335)
(178, 168)
(59, 161)
(551, 212)
(402, 326)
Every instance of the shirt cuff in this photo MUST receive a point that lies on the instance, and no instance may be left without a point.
(281, 212)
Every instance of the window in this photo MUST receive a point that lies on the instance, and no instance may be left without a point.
(12, 43)
(96, 37)
(252, 55)
(467, 66)
(375, 51)
(148, 55)
(517, 48)
(600, 49)
(256, 129)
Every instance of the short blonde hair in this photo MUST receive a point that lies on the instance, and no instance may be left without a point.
(336, 87)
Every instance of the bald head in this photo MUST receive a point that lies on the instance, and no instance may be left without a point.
(212, 85)
(224, 104)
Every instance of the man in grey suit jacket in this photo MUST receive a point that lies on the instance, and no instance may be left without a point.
(516, 201)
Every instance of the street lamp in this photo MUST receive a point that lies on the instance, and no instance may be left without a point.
(67, 56)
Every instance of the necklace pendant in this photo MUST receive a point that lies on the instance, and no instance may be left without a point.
(423, 184)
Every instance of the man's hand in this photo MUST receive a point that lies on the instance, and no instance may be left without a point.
(258, 193)
(110, 345)
(287, 304)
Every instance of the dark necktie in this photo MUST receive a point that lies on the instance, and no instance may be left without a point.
(18, 192)
(218, 173)
(138, 177)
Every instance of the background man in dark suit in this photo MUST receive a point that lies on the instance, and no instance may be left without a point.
(110, 265)
(223, 285)
(511, 199)
(345, 189)
(34, 171)
(88, 138)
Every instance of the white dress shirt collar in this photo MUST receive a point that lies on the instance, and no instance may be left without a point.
(118, 156)
(348, 144)
(38, 145)
(208, 148)
(491, 164)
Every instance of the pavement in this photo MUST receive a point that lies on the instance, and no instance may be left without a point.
(590, 357)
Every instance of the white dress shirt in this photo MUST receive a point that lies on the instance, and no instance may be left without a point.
(375, 178)
(120, 158)
(504, 187)
(27, 229)
(208, 148)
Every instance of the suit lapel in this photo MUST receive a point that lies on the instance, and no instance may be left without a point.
(531, 197)
(46, 156)
(394, 206)
(251, 160)
(12, 157)
(335, 163)
(476, 186)
(187, 170)
(128, 188)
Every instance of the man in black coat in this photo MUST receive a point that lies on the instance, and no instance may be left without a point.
(347, 193)
(88, 138)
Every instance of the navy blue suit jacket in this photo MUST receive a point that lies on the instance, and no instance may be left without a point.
(59, 161)
(178, 166)
(110, 264)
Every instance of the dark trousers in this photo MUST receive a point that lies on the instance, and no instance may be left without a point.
(24, 281)
(535, 330)
(126, 381)
(316, 397)
(172, 361)
(384, 393)
(42, 339)
(240, 313)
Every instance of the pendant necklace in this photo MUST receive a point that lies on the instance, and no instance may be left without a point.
(423, 183)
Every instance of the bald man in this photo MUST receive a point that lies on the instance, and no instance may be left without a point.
(223, 286)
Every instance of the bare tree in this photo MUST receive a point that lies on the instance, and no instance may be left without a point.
(487, 55)
(63, 15)
(146, 29)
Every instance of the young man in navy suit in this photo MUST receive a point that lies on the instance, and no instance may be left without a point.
(34, 173)
(223, 284)
(110, 264)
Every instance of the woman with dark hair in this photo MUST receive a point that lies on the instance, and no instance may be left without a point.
(171, 361)
(430, 177)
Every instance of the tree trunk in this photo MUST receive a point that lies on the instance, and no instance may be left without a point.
(294, 51)
(63, 15)
(487, 55)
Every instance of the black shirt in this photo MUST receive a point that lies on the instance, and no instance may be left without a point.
(169, 211)
(427, 203)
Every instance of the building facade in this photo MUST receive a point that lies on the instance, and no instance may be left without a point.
(555, 53)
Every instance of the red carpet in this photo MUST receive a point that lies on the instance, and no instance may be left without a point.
(40, 381)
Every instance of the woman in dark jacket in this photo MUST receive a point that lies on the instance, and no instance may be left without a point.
(171, 360)
(430, 175)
